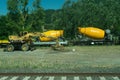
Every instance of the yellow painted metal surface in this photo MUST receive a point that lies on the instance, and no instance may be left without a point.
(51, 35)
(92, 32)
(4, 42)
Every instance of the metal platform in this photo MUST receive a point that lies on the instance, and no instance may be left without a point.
(50, 43)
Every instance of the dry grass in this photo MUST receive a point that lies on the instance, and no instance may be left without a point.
(73, 58)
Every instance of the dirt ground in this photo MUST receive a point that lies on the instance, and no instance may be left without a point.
(74, 59)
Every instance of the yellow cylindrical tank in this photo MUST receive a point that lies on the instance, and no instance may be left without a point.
(51, 35)
(92, 32)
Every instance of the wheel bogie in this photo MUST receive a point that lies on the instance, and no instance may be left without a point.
(10, 48)
(17, 46)
(25, 47)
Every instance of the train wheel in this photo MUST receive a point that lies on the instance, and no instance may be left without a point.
(25, 47)
(10, 48)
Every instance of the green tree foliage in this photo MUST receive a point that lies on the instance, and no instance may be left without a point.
(48, 16)
(52, 19)
(18, 12)
(21, 17)
(74, 13)
(37, 16)
(4, 31)
(23, 11)
(64, 19)
(26, 20)
(5, 28)
(82, 13)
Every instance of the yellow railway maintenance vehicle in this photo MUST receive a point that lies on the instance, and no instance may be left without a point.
(25, 40)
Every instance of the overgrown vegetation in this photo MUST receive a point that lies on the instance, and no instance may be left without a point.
(97, 13)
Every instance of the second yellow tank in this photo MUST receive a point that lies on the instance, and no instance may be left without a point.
(92, 32)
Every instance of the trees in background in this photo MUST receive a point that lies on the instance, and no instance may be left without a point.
(102, 14)
(97, 13)
(37, 16)
(17, 13)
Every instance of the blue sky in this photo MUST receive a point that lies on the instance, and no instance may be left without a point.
(46, 4)
(52, 4)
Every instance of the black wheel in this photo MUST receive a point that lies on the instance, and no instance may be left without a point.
(25, 47)
(10, 48)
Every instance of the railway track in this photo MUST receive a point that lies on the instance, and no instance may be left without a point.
(60, 76)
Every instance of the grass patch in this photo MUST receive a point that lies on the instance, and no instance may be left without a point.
(47, 59)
